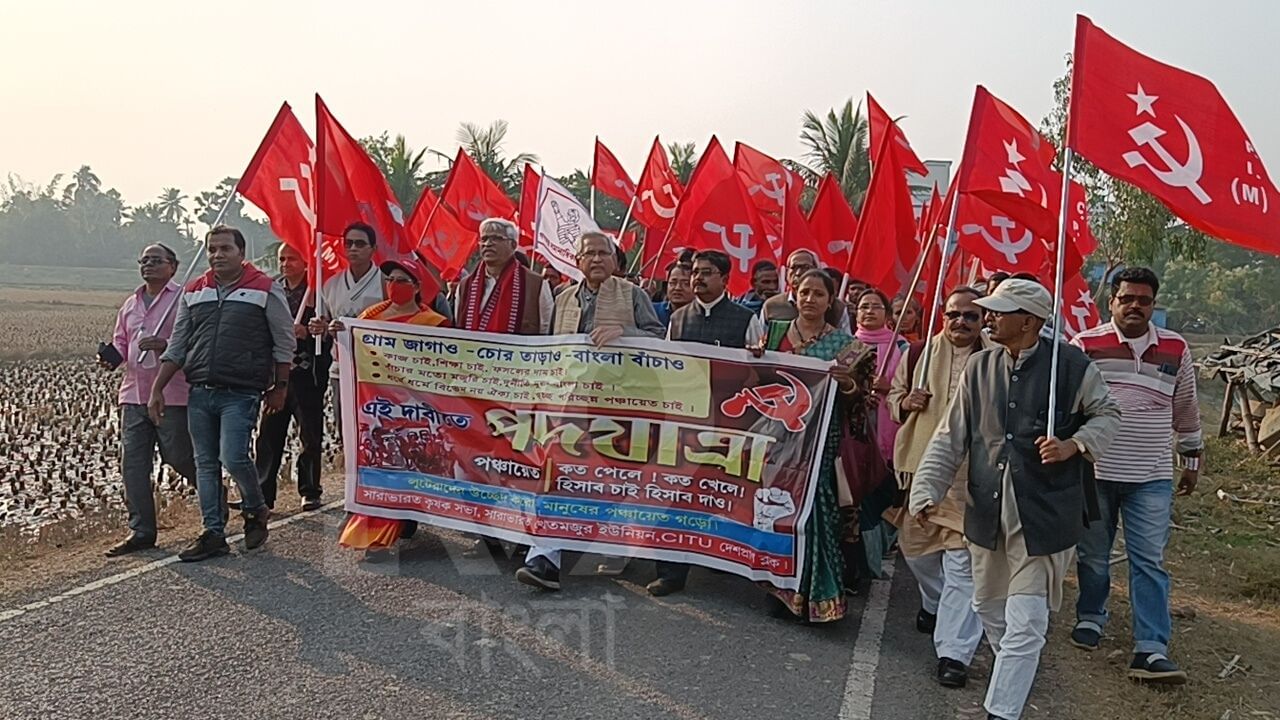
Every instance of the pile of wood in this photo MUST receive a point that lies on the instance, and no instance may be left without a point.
(1251, 370)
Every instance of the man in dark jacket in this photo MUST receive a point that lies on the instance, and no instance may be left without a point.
(1029, 494)
(304, 402)
(233, 339)
(711, 319)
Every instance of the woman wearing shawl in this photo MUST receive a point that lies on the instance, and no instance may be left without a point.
(403, 281)
(821, 596)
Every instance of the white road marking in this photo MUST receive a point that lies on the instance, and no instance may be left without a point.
(6, 615)
(860, 688)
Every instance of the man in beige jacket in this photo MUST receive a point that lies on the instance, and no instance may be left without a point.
(935, 550)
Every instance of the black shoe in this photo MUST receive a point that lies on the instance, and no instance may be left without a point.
(952, 673)
(484, 547)
(540, 573)
(926, 622)
(309, 504)
(1157, 669)
(664, 586)
(255, 529)
(131, 544)
(1086, 638)
(208, 545)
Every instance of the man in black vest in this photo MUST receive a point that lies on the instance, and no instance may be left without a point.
(233, 339)
(711, 319)
(1030, 496)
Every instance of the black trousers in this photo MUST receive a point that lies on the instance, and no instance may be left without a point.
(675, 572)
(304, 404)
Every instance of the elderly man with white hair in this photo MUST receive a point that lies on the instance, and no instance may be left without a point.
(606, 308)
(503, 296)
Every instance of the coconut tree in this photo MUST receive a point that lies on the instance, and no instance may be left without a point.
(484, 145)
(683, 157)
(836, 144)
(171, 208)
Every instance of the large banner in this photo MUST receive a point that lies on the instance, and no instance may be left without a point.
(667, 451)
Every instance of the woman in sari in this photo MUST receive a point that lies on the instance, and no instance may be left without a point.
(821, 596)
(871, 315)
(402, 285)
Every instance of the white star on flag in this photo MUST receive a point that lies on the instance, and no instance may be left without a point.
(1011, 148)
(1144, 102)
(1085, 299)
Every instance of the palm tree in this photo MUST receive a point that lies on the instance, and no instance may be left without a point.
(683, 158)
(171, 208)
(484, 145)
(404, 172)
(83, 182)
(837, 144)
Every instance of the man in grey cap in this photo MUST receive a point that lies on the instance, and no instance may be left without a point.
(1030, 495)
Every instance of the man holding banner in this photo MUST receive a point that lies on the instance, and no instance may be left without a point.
(606, 308)
(1030, 495)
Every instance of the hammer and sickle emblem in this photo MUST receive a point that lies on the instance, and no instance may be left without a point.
(788, 404)
(1005, 245)
(742, 251)
(1184, 174)
(659, 209)
(774, 191)
(288, 184)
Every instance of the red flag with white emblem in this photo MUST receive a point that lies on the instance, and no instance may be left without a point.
(417, 225)
(1009, 165)
(447, 244)
(351, 187)
(280, 182)
(1079, 311)
(716, 213)
(608, 177)
(473, 195)
(833, 223)
(658, 193)
(768, 181)
(1171, 133)
(880, 124)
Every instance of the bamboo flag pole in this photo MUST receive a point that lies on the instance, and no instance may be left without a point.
(1060, 252)
(925, 247)
(922, 370)
(190, 267)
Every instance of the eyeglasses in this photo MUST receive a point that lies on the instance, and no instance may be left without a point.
(356, 243)
(399, 280)
(495, 239)
(1140, 300)
(595, 254)
(153, 260)
(967, 315)
(704, 272)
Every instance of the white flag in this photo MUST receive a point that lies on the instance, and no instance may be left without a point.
(561, 221)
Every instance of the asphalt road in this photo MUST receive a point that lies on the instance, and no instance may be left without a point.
(300, 629)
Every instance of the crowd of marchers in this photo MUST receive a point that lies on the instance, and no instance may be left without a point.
(939, 445)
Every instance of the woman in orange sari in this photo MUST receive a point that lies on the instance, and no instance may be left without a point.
(402, 284)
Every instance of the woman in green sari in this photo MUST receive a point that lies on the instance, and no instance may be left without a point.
(821, 596)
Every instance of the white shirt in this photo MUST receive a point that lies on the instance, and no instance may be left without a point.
(345, 296)
(755, 328)
(546, 303)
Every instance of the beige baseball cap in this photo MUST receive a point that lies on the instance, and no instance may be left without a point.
(1014, 295)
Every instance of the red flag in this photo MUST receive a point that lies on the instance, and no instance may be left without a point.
(1008, 164)
(767, 181)
(717, 214)
(351, 188)
(628, 239)
(608, 177)
(832, 223)
(1171, 133)
(279, 180)
(1079, 312)
(658, 193)
(529, 205)
(795, 231)
(887, 228)
(998, 240)
(651, 265)
(417, 225)
(447, 244)
(881, 124)
(473, 195)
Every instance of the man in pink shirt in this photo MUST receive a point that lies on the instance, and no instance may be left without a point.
(140, 343)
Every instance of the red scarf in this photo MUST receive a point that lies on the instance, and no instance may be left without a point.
(506, 303)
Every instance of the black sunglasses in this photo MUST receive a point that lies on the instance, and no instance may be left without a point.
(356, 243)
(968, 315)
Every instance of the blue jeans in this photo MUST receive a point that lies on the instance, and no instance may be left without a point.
(221, 422)
(1146, 508)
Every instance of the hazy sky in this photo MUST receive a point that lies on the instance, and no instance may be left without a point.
(155, 94)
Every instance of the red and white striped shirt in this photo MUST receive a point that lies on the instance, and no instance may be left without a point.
(1153, 380)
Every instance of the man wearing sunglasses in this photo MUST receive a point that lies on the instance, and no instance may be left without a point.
(1030, 495)
(1150, 373)
(139, 350)
(349, 293)
(935, 550)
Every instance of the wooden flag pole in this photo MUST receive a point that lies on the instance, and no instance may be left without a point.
(1060, 252)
